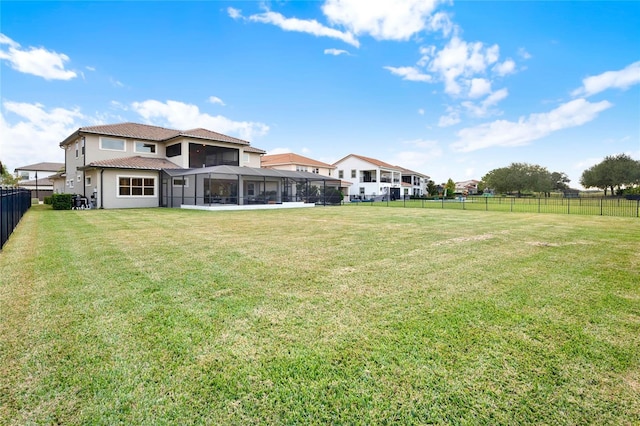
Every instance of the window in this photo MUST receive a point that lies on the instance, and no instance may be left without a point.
(24, 175)
(301, 169)
(210, 155)
(112, 144)
(245, 157)
(181, 181)
(316, 171)
(87, 181)
(361, 190)
(251, 189)
(76, 149)
(174, 150)
(79, 178)
(70, 183)
(353, 174)
(136, 186)
(145, 147)
(340, 174)
(82, 144)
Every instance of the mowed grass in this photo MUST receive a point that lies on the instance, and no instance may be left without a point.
(339, 315)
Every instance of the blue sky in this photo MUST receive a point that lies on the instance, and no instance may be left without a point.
(449, 89)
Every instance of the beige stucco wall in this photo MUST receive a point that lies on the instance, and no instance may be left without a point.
(110, 198)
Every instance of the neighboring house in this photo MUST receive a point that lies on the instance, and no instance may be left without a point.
(414, 183)
(37, 178)
(467, 187)
(370, 177)
(299, 163)
(138, 165)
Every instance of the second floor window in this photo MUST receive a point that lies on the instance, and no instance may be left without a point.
(145, 147)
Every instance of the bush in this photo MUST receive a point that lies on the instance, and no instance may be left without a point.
(47, 200)
(61, 201)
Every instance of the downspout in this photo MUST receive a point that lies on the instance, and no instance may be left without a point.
(101, 189)
(84, 163)
(160, 175)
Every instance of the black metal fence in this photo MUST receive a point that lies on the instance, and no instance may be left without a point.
(14, 202)
(602, 206)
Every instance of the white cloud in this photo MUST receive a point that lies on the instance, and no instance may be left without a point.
(523, 53)
(383, 20)
(304, 26)
(216, 100)
(441, 21)
(35, 61)
(34, 137)
(179, 115)
(234, 13)
(409, 73)
(525, 130)
(420, 153)
(505, 68)
(622, 79)
(115, 83)
(421, 111)
(335, 52)
(90, 68)
(452, 118)
(479, 87)
(461, 59)
(483, 108)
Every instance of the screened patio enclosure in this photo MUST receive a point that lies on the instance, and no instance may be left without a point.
(220, 185)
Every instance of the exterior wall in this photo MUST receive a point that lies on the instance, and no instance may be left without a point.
(370, 188)
(323, 171)
(253, 159)
(109, 198)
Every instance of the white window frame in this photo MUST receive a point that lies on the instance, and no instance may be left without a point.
(124, 144)
(179, 185)
(135, 147)
(87, 181)
(79, 178)
(70, 183)
(77, 144)
(155, 186)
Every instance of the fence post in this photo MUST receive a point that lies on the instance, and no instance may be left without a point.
(486, 204)
(511, 207)
(600, 206)
(637, 208)
(538, 204)
(568, 205)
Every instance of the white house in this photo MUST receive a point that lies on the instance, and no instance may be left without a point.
(370, 178)
(414, 183)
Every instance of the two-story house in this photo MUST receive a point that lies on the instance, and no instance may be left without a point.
(36, 177)
(138, 165)
(414, 183)
(370, 178)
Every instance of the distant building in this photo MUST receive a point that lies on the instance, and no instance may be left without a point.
(36, 178)
(467, 187)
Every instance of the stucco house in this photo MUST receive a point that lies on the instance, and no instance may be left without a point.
(370, 178)
(37, 178)
(414, 183)
(137, 165)
(467, 187)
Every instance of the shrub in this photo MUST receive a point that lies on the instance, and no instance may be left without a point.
(61, 201)
(47, 200)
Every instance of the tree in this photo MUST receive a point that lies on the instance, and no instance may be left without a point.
(450, 187)
(432, 188)
(6, 178)
(519, 177)
(615, 171)
(560, 181)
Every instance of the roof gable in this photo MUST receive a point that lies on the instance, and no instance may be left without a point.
(370, 160)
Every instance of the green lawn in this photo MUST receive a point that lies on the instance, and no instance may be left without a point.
(333, 315)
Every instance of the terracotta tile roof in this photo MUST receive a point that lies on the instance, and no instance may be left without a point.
(252, 149)
(133, 130)
(372, 161)
(291, 158)
(42, 167)
(211, 135)
(142, 163)
(151, 133)
(411, 172)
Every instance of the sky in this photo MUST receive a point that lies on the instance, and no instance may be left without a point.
(445, 88)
